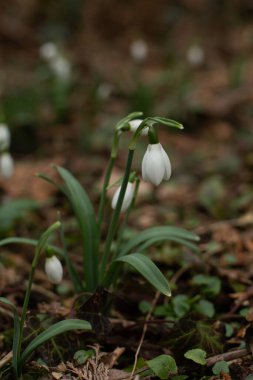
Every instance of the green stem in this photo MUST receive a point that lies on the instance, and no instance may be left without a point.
(104, 190)
(115, 216)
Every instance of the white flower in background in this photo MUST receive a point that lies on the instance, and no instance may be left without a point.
(127, 197)
(195, 55)
(156, 164)
(53, 269)
(6, 165)
(134, 124)
(49, 51)
(139, 50)
(5, 137)
(104, 91)
(60, 66)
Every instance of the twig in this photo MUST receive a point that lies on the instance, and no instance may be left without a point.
(7, 358)
(227, 356)
(144, 332)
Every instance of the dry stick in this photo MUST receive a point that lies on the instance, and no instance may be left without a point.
(144, 332)
(227, 356)
(6, 359)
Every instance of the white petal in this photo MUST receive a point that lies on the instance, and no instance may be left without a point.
(167, 165)
(134, 124)
(5, 137)
(127, 198)
(153, 164)
(53, 269)
(144, 165)
(6, 165)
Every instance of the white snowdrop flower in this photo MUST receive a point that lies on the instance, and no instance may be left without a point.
(6, 165)
(139, 50)
(127, 198)
(104, 91)
(195, 55)
(156, 164)
(5, 137)
(134, 124)
(53, 269)
(61, 68)
(49, 51)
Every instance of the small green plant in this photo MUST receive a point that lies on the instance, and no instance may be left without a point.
(19, 353)
(103, 260)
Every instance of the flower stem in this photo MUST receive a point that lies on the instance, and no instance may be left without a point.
(104, 190)
(115, 216)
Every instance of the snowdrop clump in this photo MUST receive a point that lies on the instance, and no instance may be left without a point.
(53, 269)
(59, 64)
(6, 160)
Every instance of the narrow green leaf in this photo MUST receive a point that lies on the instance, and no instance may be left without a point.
(51, 332)
(157, 233)
(19, 240)
(161, 238)
(85, 215)
(16, 333)
(13, 210)
(126, 119)
(148, 270)
(197, 355)
(163, 366)
(165, 121)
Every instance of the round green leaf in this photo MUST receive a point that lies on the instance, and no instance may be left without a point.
(219, 367)
(197, 355)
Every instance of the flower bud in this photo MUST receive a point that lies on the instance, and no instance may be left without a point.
(127, 197)
(134, 124)
(53, 269)
(5, 137)
(49, 51)
(156, 164)
(6, 165)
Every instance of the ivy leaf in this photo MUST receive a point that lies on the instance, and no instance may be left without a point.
(162, 366)
(197, 355)
(219, 367)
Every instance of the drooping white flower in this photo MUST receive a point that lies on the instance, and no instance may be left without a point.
(195, 55)
(53, 269)
(59, 64)
(127, 197)
(139, 50)
(134, 124)
(5, 137)
(6, 165)
(156, 164)
(49, 51)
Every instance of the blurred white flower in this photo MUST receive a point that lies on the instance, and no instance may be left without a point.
(61, 68)
(5, 137)
(6, 165)
(195, 55)
(134, 124)
(156, 164)
(53, 269)
(49, 51)
(59, 64)
(104, 90)
(139, 50)
(127, 197)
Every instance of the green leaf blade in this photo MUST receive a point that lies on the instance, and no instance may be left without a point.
(85, 215)
(51, 332)
(148, 270)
